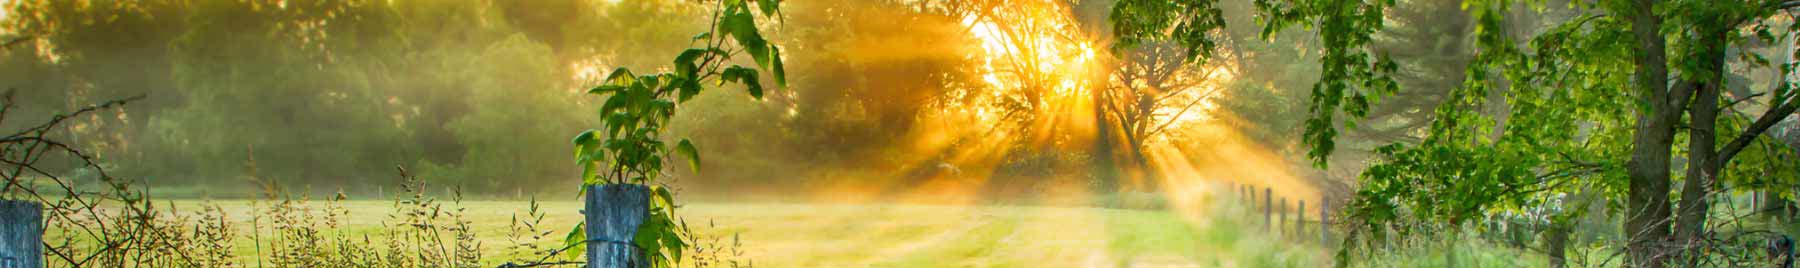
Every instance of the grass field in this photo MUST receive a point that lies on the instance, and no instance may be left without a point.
(888, 235)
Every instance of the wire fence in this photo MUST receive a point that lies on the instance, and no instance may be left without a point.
(1287, 217)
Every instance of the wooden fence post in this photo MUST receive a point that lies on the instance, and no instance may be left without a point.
(1268, 206)
(1324, 221)
(1249, 195)
(613, 214)
(1281, 217)
(1300, 219)
(21, 234)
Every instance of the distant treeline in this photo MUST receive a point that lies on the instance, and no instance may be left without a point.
(330, 94)
(485, 94)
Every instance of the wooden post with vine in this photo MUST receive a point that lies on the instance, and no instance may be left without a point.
(613, 214)
(631, 220)
(21, 234)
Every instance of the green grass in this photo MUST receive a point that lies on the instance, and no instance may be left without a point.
(899, 236)
(892, 235)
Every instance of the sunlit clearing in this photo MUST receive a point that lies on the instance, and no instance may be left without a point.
(1219, 160)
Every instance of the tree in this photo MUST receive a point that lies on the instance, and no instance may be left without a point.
(1563, 80)
(1154, 87)
(1430, 42)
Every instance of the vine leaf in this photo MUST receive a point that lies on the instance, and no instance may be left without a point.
(775, 69)
(768, 6)
(742, 26)
(573, 241)
(686, 149)
(746, 76)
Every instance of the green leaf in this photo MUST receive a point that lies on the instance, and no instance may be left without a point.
(583, 140)
(776, 69)
(620, 76)
(686, 149)
(684, 64)
(589, 173)
(742, 27)
(577, 236)
(664, 199)
(689, 88)
(746, 76)
(649, 234)
(606, 89)
(768, 6)
(754, 87)
(614, 103)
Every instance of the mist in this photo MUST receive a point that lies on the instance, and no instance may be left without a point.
(916, 101)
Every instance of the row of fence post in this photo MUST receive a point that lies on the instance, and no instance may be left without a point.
(1276, 216)
(612, 213)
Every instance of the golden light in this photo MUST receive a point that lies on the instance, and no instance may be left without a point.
(1037, 48)
(1032, 54)
(588, 70)
(1215, 78)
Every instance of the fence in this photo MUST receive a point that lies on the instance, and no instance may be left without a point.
(1278, 218)
(614, 212)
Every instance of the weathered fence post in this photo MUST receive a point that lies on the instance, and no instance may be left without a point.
(613, 213)
(1268, 206)
(21, 234)
(1300, 219)
(1324, 221)
(1281, 217)
(1249, 195)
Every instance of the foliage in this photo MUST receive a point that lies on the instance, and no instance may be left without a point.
(1352, 77)
(638, 108)
(1539, 128)
(325, 93)
(1189, 23)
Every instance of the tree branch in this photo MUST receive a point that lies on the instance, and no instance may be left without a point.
(1768, 119)
(1787, 5)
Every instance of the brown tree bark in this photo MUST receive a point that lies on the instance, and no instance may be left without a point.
(1647, 202)
(1556, 245)
(1703, 163)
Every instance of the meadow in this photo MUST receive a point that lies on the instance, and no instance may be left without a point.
(904, 235)
(878, 235)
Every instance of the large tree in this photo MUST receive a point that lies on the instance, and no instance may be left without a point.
(1153, 87)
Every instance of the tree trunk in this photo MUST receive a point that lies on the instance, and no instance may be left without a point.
(1106, 172)
(1556, 244)
(1703, 163)
(1647, 201)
